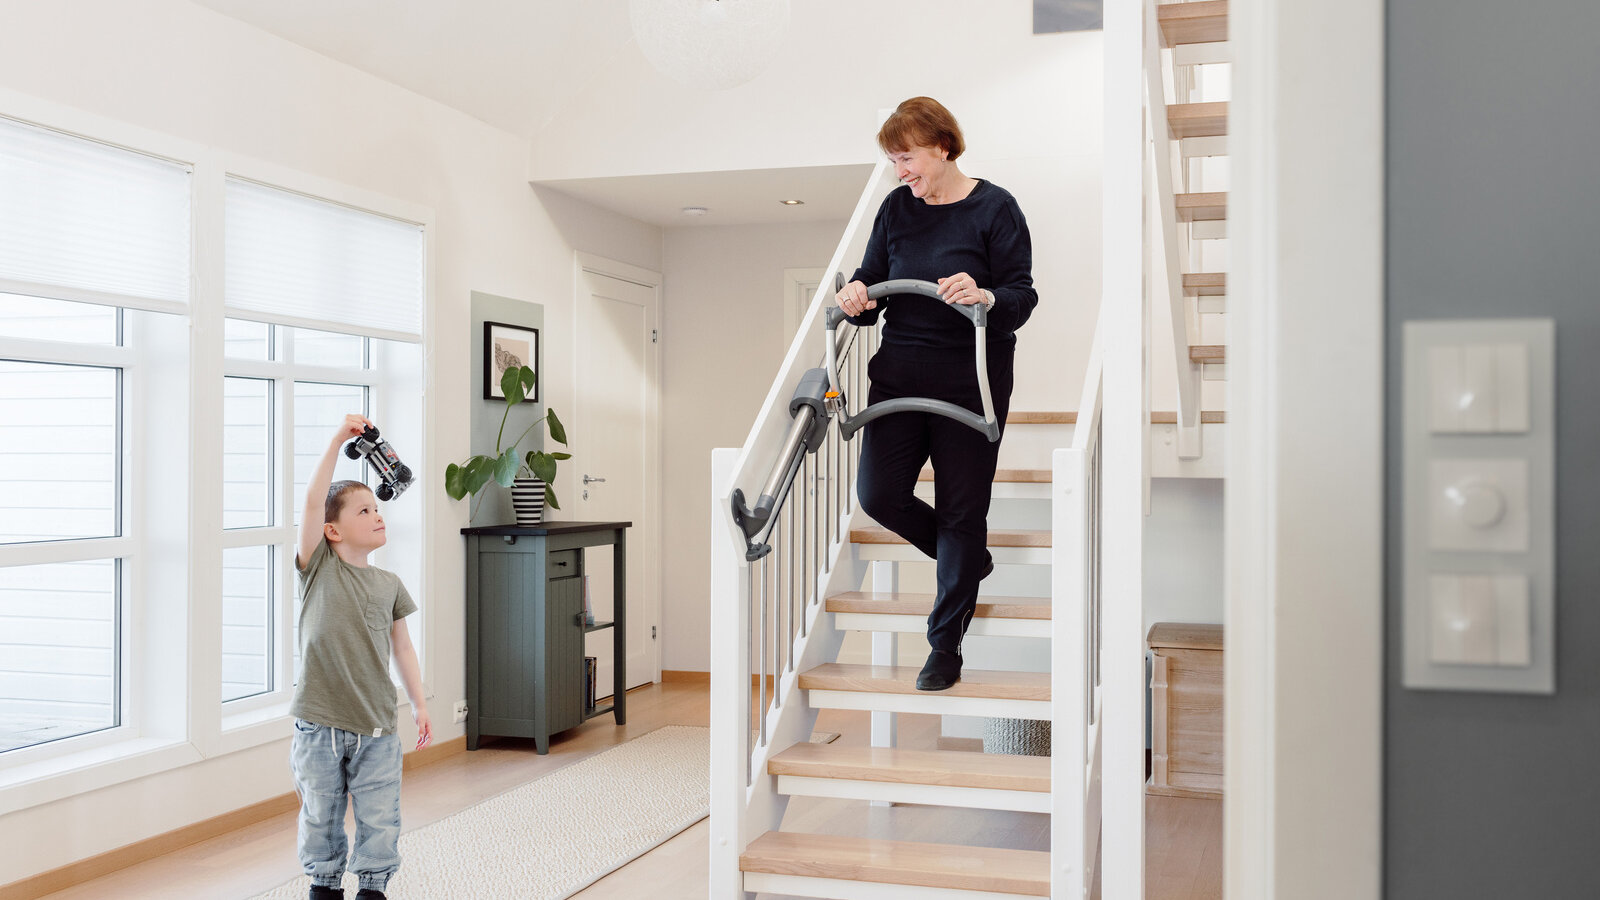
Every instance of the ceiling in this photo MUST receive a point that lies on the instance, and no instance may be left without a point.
(509, 63)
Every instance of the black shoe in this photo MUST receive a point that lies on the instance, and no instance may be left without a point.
(988, 566)
(942, 670)
(370, 894)
(322, 892)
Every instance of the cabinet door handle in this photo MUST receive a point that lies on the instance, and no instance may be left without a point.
(589, 479)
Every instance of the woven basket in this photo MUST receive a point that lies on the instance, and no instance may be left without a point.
(1018, 737)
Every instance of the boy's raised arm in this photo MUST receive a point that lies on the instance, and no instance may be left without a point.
(311, 521)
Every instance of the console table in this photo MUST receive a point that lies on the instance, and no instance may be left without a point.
(525, 629)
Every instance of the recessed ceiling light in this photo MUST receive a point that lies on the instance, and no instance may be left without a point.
(792, 202)
(695, 210)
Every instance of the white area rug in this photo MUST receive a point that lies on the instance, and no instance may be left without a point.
(558, 834)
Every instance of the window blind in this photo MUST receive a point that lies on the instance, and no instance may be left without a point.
(79, 219)
(298, 260)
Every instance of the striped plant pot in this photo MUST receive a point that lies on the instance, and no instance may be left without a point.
(527, 498)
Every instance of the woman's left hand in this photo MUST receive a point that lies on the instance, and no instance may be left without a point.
(961, 288)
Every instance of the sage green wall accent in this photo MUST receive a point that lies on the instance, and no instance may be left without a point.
(495, 506)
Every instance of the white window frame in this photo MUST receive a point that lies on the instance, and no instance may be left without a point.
(171, 713)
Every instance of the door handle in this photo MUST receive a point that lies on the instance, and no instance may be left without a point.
(588, 479)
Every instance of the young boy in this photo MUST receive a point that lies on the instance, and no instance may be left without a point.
(352, 616)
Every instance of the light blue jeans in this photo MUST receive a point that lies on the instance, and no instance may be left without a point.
(330, 764)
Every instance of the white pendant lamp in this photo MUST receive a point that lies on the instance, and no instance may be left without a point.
(712, 44)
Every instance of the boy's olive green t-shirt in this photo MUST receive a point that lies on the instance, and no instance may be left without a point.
(346, 613)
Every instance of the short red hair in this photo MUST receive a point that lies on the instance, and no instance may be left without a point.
(921, 122)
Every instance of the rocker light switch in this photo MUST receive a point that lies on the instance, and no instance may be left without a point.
(1478, 502)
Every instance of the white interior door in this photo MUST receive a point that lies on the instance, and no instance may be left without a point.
(615, 448)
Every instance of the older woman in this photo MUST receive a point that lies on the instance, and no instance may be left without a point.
(969, 236)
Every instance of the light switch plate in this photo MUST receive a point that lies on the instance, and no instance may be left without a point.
(1478, 505)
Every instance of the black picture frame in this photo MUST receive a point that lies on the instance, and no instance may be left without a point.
(515, 341)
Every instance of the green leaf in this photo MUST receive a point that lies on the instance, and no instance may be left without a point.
(452, 482)
(511, 386)
(505, 468)
(560, 455)
(528, 379)
(542, 465)
(550, 497)
(558, 432)
(478, 472)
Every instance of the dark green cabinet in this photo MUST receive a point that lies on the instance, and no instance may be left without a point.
(525, 629)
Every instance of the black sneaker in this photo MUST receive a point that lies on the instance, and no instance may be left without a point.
(370, 894)
(942, 670)
(323, 892)
(988, 566)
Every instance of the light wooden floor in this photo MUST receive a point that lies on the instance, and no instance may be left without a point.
(1183, 857)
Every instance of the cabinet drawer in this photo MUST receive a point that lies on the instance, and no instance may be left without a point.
(565, 564)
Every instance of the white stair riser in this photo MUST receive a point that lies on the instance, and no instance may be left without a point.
(930, 703)
(1202, 54)
(834, 889)
(907, 624)
(1213, 304)
(922, 794)
(1003, 490)
(1032, 556)
(1208, 230)
(1203, 146)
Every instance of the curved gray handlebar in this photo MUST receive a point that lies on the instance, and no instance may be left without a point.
(987, 424)
(977, 312)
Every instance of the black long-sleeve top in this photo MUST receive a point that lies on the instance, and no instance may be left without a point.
(984, 235)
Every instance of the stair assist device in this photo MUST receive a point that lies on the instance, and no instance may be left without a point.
(817, 398)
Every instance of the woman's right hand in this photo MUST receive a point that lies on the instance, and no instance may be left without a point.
(853, 299)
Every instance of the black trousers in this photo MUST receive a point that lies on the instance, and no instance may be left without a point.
(954, 531)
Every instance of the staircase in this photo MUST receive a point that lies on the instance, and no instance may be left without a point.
(787, 588)
(801, 864)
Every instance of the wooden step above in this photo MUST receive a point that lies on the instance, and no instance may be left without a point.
(1041, 418)
(1004, 476)
(1191, 120)
(1204, 207)
(934, 767)
(1193, 23)
(1207, 417)
(1205, 284)
(1208, 353)
(998, 537)
(903, 680)
(908, 604)
(1023, 873)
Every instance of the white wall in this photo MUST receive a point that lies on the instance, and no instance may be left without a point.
(818, 102)
(175, 68)
(722, 342)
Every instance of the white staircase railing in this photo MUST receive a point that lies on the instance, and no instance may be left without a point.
(1075, 623)
(1167, 242)
(767, 620)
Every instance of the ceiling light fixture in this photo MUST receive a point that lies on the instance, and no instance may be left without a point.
(792, 202)
(712, 44)
(695, 210)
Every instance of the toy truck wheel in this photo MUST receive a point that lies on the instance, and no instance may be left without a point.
(385, 492)
(352, 451)
(403, 474)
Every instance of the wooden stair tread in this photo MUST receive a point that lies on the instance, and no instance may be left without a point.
(1202, 22)
(1022, 872)
(1190, 120)
(1207, 417)
(1208, 353)
(1185, 636)
(1041, 418)
(910, 604)
(1211, 206)
(952, 768)
(986, 685)
(998, 537)
(1205, 284)
(1004, 476)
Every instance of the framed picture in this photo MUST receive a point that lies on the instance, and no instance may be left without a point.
(507, 346)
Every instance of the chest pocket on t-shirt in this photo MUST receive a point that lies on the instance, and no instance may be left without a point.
(379, 614)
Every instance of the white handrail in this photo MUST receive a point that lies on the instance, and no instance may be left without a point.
(767, 621)
(1166, 241)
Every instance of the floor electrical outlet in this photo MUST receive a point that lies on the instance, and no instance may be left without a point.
(461, 712)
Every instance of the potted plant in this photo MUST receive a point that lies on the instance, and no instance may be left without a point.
(529, 475)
